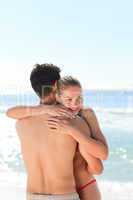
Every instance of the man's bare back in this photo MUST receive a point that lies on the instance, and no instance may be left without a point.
(48, 156)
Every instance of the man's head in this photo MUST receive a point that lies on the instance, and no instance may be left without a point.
(44, 79)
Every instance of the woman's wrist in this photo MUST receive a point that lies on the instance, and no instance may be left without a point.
(39, 110)
(79, 136)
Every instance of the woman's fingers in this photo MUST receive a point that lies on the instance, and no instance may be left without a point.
(65, 110)
(65, 113)
(53, 123)
(60, 112)
(57, 124)
(53, 119)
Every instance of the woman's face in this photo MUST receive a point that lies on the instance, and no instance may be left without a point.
(71, 97)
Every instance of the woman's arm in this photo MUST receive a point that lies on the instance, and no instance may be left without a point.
(94, 165)
(89, 145)
(67, 127)
(91, 119)
(20, 112)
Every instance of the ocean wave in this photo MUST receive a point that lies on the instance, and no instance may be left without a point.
(113, 190)
(3, 109)
(115, 111)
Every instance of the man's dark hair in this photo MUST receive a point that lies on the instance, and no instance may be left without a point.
(43, 78)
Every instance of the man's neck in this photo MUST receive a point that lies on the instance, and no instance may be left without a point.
(42, 102)
(47, 101)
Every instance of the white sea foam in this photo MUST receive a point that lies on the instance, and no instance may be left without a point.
(115, 118)
(13, 186)
(116, 190)
(117, 111)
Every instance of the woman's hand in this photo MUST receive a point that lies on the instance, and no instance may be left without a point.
(63, 126)
(58, 111)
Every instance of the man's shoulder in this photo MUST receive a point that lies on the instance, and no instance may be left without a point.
(23, 122)
(23, 126)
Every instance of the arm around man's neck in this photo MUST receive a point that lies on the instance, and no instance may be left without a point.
(20, 112)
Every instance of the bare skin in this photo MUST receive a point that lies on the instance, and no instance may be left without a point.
(72, 98)
(84, 176)
(43, 150)
(83, 173)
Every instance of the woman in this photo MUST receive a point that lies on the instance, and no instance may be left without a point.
(69, 94)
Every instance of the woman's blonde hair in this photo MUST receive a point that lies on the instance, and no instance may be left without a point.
(65, 82)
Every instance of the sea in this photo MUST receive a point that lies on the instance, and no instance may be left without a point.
(114, 110)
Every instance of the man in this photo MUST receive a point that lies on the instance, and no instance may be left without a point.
(42, 177)
(49, 176)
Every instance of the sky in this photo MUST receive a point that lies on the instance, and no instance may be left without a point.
(90, 40)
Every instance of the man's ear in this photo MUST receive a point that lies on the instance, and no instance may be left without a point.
(57, 97)
(55, 86)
